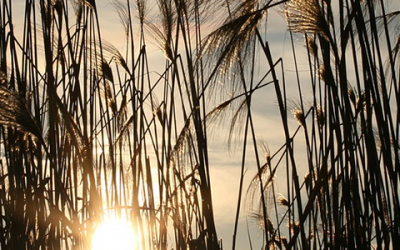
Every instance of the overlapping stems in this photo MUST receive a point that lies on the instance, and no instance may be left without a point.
(89, 132)
(85, 137)
(349, 197)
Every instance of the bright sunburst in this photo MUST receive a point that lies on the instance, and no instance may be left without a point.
(114, 234)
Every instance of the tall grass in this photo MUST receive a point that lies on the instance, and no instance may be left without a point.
(88, 131)
(348, 127)
(85, 136)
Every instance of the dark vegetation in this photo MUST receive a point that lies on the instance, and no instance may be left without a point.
(87, 130)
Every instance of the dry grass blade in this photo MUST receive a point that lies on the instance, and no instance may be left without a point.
(283, 201)
(161, 38)
(306, 16)
(229, 44)
(183, 137)
(267, 175)
(141, 9)
(124, 129)
(106, 71)
(237, 121)
(218, 113)
(14, 112)
(259, 219)
(123, 14)
(112, 53)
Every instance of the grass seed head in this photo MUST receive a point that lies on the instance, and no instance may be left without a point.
(311, 45)
(298, 115)
(352, 96)
(320, 116)
(321, 73)
(14, 112)
(283, 201)
(308, 179)
(306, 16)
(294, 227)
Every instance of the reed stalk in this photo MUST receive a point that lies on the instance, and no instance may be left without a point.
(88, 131)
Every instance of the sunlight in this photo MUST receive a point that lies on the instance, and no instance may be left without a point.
(114, 234)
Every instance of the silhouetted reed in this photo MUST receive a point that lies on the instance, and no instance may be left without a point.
(88, 131)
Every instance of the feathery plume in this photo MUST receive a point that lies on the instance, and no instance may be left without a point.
(320, 116)
(298, 115)
(306, 16)
(14, 112)
(283, 201)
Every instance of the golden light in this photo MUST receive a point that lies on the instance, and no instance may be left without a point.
(114, 234)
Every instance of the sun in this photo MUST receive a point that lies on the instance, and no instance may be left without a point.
(114, 234)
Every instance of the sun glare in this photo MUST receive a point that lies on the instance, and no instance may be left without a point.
(114, 234)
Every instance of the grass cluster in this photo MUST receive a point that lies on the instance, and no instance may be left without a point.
(96, 132)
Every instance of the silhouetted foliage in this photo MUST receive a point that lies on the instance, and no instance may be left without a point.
(87, 131)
